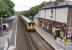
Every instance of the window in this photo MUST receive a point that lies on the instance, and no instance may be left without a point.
(51, 13)
(45, 13)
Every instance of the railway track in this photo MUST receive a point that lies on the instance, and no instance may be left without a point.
(29, 40)
(23, 41)
(39, 42)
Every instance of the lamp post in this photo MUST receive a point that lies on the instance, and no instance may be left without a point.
(1, 27)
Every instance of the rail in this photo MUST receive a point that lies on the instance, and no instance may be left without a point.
(43, 42)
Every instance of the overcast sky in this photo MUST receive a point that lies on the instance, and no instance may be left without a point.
(26, 4)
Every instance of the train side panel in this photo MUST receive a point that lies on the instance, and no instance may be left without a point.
(29, 24)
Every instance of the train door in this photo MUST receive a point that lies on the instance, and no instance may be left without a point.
(32, 25)
(27, 26)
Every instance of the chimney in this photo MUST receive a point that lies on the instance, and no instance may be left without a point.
(52, 0)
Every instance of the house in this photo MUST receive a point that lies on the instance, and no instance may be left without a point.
(56, 16)
(36, 19)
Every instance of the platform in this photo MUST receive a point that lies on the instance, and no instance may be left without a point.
(48, 37)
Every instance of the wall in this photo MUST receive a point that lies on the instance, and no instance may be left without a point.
(69, 21)
(36, 21)
(59, 14)
(46, 13)
(49, 14)
(41, 12)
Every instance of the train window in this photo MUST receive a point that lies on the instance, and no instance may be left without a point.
(29, 24)
(32, 23)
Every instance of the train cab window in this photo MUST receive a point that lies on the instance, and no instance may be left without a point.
(33, 24)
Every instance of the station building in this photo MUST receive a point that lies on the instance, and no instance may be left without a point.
(56, 16)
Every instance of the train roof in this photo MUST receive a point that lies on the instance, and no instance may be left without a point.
(26, 19)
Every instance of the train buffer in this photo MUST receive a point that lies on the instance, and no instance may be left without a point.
(48, 38)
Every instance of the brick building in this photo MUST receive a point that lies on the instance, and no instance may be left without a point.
(56, 16)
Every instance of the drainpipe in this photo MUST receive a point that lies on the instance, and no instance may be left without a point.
(55, 16)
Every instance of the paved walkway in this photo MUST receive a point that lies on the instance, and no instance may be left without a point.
(3, 40)
(7, 38)
(49, 38)
(12, 38)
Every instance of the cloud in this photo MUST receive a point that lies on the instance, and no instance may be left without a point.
(26, 4)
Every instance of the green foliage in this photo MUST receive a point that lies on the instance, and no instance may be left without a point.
(3, 7)
(11, 5)
(26, 13)
(33, 11)
(6, 8)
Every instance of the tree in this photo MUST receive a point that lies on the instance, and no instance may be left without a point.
(26, 13)
(6, 8)
(11, 6)
(3, 7)
(34, 10)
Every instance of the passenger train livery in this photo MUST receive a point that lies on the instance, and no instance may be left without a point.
(29, 24)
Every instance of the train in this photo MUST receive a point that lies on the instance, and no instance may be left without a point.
(29, 24)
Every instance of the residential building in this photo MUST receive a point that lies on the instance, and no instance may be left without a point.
(57, 16)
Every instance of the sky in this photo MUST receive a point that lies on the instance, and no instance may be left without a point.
(26, 4)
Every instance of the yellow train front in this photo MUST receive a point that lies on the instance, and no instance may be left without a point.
(29, 24)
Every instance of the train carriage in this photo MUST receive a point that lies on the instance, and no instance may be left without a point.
(29, 24)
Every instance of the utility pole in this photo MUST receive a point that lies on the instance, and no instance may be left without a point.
(1, 27)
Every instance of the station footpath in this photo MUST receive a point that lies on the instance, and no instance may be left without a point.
(48, 38)
(12, 38)
(4, 40)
